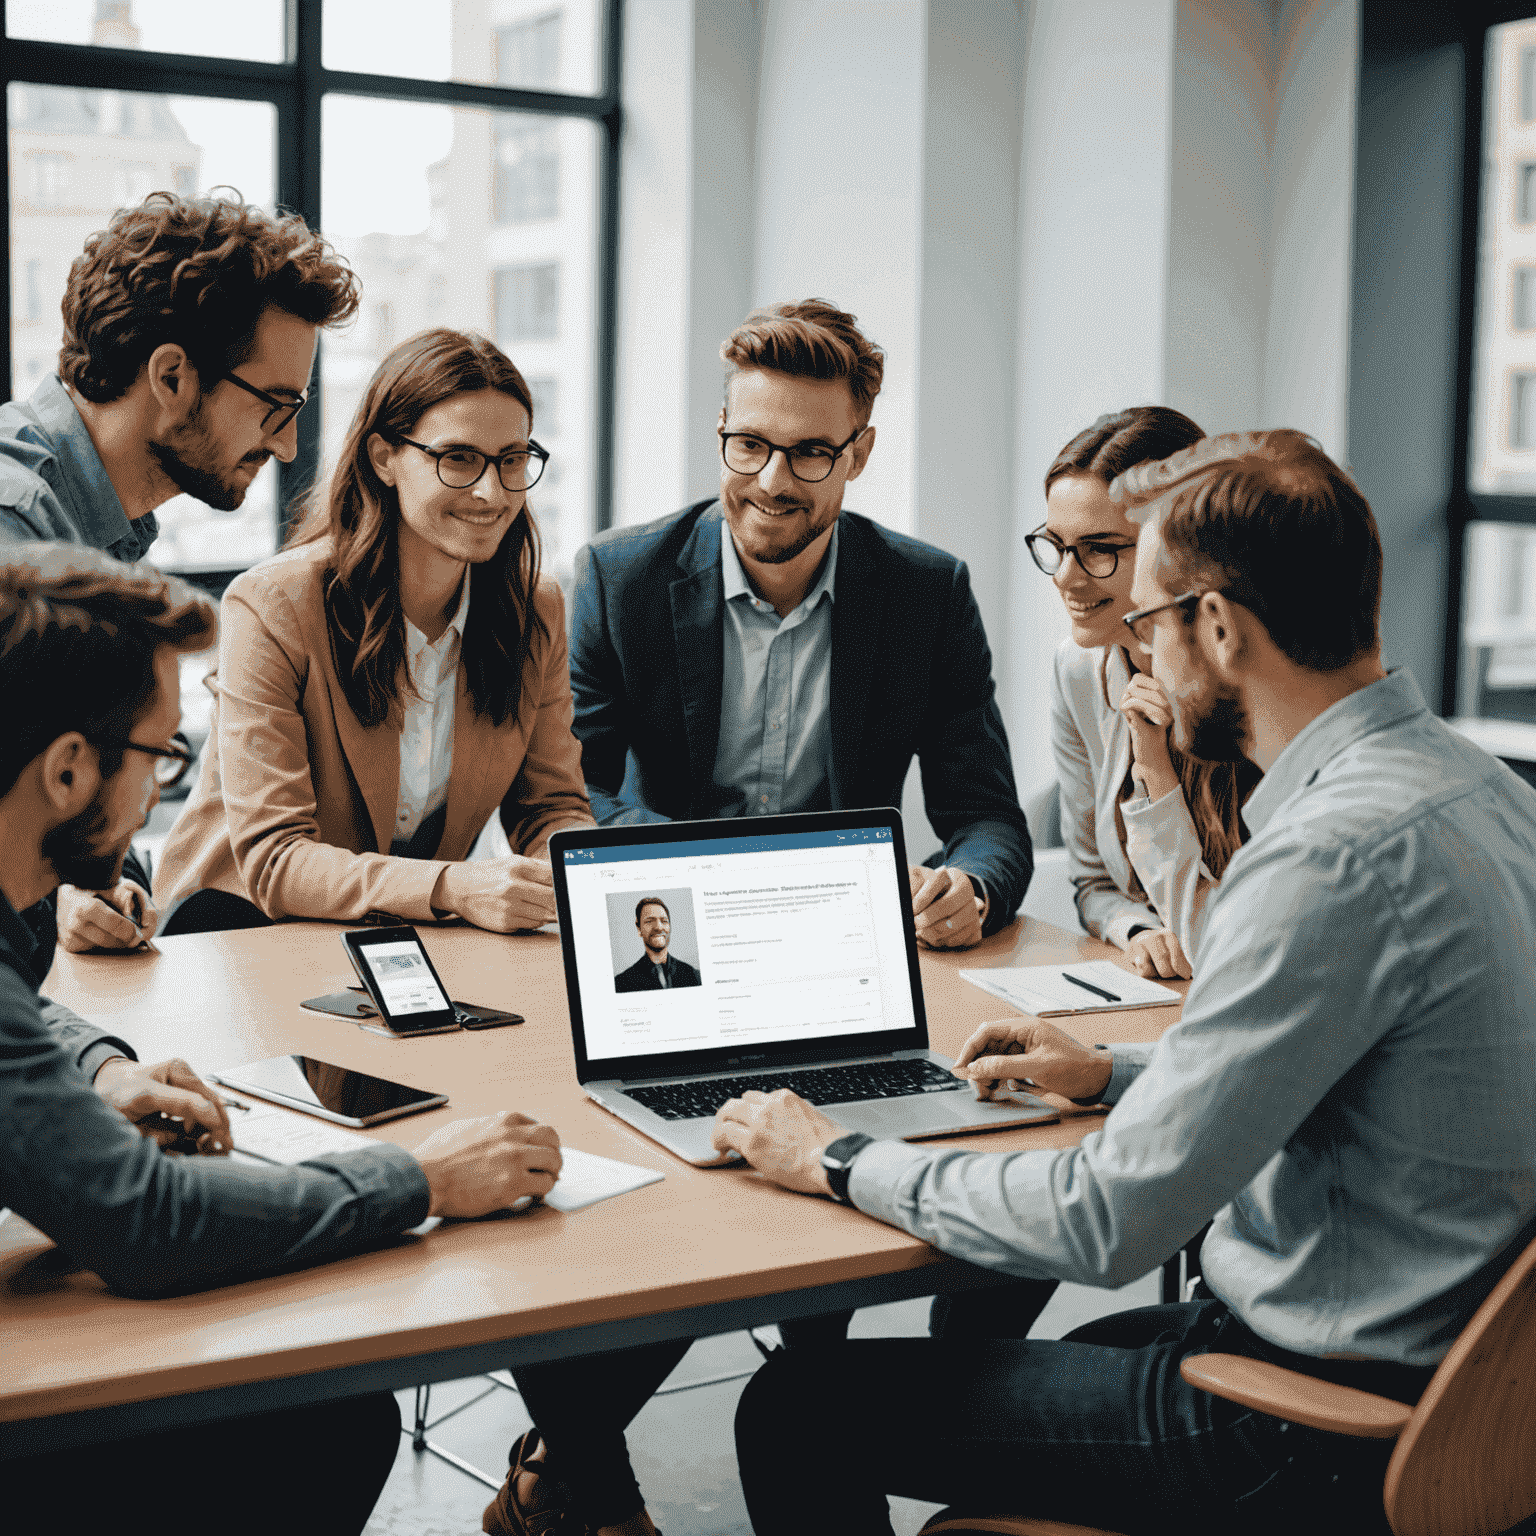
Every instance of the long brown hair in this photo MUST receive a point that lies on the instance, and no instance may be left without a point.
(1214, 792)
(361, 515)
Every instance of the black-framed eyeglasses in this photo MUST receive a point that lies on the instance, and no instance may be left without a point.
(171, 761)
(459, 468)
(745, 453)
(1134, 621)
(1094, 557)
(281, 412)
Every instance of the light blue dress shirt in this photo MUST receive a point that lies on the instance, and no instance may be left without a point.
(1352, 1087)
(53, 484)
(776, 695)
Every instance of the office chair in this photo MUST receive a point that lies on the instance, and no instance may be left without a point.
(1465, 1462)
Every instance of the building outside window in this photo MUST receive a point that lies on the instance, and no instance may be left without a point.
(527, 177)
(527, 303)
(1496, 677)
(432, 191)
(528, 52)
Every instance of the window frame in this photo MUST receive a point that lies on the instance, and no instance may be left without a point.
(297, 88)
(1469, 506)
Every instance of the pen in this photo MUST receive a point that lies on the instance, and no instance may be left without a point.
(1088, 986)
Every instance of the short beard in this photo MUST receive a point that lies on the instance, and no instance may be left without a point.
(72, 849)
(790, 551)
(1219, 735)
(183, 460)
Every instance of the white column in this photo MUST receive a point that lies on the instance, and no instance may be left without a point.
(839, 188)
(1312, 187)
(1093, 244)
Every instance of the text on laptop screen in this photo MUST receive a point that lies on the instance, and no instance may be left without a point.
(749, 940)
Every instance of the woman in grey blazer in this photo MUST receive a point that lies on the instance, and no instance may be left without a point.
(1148, 830)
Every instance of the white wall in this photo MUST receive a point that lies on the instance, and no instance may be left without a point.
(967, 302)
(838, 197)
(656, 227)
(1312, 179)
(1219, 212)
(1042, 209)
(1092, 273)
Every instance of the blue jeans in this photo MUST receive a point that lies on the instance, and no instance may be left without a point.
(1097, 1429)
(582, 1406)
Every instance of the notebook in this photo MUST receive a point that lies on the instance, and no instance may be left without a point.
(1083, 986)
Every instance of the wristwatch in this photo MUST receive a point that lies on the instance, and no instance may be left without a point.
(838, 1158)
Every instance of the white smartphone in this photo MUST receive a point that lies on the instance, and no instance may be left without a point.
(332, 1092)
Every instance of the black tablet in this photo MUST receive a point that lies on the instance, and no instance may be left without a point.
(332, 1092)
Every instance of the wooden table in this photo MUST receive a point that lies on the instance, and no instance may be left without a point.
(704, 1251)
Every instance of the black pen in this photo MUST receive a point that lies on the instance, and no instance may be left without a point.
(1088, 986)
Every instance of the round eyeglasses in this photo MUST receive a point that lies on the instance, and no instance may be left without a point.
(459, 467)
(171, 761)
(1094, 558)
(748, 454)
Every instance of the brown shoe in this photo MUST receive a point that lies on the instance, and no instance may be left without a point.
(527, 1504)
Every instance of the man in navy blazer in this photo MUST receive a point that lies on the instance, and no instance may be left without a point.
(765, 651)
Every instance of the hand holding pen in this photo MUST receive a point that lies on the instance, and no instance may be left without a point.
(168, 1102)
(121, 918)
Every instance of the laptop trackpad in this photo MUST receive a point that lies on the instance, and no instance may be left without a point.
(938, 1115)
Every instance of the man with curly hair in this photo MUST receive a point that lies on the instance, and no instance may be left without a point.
(189, 338)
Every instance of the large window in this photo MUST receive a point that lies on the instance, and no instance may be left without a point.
(1496, 660)
(462, 154)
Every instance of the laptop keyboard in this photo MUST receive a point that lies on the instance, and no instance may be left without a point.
(820, 1085)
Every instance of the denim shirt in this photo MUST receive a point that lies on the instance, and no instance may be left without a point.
(1352, 1086)
(53, 484)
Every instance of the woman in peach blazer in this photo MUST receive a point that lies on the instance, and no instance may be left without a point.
(386, 683)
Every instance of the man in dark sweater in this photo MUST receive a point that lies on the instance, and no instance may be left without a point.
(88, 680)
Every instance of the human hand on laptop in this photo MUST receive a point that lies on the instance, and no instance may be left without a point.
(1030, 1053)
(489, 1163)
(781, 1135)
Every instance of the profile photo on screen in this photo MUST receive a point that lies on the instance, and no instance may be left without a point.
(654, 940)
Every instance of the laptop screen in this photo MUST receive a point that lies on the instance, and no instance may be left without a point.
(782, 939)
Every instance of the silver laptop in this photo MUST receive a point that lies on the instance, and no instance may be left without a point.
(705, 958)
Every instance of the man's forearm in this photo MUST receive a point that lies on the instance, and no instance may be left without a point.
(87, 1046)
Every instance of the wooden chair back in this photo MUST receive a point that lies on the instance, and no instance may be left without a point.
(1466, 1460)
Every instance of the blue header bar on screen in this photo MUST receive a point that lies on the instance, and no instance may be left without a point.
(712, 847)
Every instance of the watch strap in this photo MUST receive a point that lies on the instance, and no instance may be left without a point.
(837, 1160)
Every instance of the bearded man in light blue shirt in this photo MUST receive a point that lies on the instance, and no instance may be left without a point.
(1349, 1092)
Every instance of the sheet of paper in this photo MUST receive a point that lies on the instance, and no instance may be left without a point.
(1044, 989)
(586, 1178)
(283, 1136)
